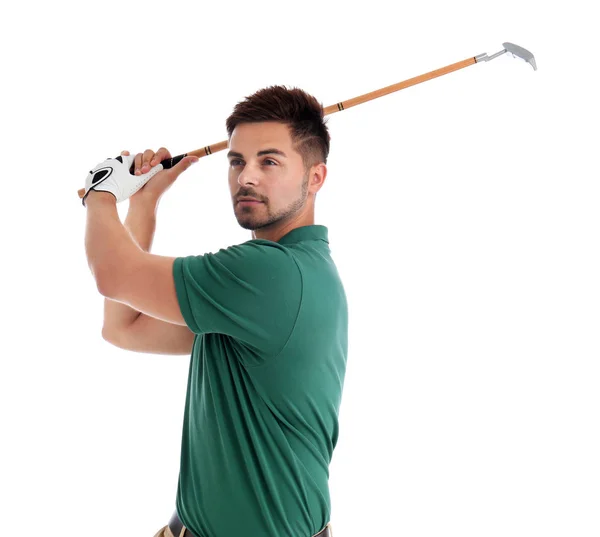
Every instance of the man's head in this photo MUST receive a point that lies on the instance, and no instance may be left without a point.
(278, 148)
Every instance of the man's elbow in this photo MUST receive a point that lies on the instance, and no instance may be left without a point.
(107, 335)
(105, 284)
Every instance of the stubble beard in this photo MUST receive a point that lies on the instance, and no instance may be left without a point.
(250, 221)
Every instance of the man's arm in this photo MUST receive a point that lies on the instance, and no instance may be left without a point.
(150, 335)
(139, 287)
(141, 224)
(128, 328)
(123, 271)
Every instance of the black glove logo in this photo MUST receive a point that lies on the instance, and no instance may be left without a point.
(100, 174)
(104, 173)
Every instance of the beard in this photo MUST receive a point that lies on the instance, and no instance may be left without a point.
(249, 219)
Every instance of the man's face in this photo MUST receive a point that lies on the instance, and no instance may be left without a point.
(263, 165)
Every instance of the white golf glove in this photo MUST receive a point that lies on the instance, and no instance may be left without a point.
(113, 176)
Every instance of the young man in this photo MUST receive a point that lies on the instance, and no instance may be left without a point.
(265, 322)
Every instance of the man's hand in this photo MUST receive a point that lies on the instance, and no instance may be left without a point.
(153, 190)
(113, 175)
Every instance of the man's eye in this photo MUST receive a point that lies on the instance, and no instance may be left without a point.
(237, 162)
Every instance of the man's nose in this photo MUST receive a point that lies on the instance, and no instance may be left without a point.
(249, 174)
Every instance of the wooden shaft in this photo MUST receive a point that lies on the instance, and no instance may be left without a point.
(209, 150)
(397, 87)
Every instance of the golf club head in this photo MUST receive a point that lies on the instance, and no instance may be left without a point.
(521, 52)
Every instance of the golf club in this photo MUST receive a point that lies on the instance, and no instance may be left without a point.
(515, 50)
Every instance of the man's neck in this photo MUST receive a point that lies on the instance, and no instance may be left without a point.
(276, 234)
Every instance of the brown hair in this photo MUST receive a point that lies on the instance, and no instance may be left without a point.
(294, 107)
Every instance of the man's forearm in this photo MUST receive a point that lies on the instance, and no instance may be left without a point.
(109, 247)
(141, 224)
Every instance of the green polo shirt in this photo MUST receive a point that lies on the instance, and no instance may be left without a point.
(264, 387)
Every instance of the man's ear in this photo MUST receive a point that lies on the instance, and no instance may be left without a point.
(318, 173)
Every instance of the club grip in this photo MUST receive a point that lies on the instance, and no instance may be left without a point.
(170, 162)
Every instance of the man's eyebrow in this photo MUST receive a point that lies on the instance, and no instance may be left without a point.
(270, 151)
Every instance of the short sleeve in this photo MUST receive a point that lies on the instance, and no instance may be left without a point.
(251, 292)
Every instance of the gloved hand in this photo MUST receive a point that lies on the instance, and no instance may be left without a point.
(112, 175)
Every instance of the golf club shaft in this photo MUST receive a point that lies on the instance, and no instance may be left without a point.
(210, 149)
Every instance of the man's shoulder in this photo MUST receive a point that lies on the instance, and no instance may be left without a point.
(257, 256)
(255, 249)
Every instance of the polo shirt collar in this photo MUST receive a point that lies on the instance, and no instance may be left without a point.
(305, 233)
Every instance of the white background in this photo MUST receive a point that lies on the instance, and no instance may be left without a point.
(463, 215)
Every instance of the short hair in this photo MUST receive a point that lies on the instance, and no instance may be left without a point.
(292, 106)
